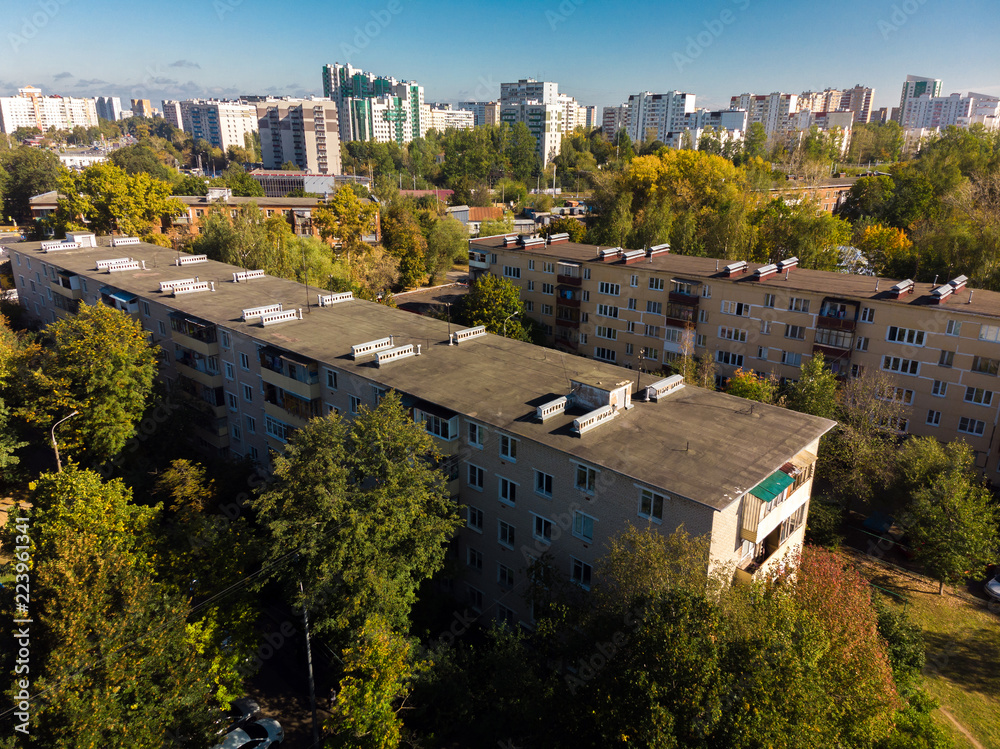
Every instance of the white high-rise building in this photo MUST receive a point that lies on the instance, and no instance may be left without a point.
(773, 111)
(486, 112)
(109, 108)
(659, 114)
(613, 120)
(303, 131)
(913, 87)
(30, 109)
(221, 123)
(373, 107)
(442, 117)
(537, 104)
(929, 112)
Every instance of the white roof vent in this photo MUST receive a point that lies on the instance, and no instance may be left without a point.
(400, 352)
(594, 419)
(765, 270)
(191, 259)
(166, 286)
(253, 312)
(958, 283)
(788, 263)
(123, 241)
(467, 334)
(119, 265)
(661, 388)
(371, 347)
(82, 238)
(247, 275)
(633, 255)
(658, 249)
(325, 300)
(60, 245)
(733, 268)
(271, 318)
(609, 254)
(192, 288)
(552, 408)
(105, 264)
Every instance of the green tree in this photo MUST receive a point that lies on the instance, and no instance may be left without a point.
(141, 159)
(30, 171)
(364, 510)
(953, 526)
(109, 199)
(241, 183)
(447, 243)
(567, 225)
(377, 669)
(492, 227)
(816, 390)
(496, 303)
(755, 143)
(115, 664)
(100, 364)
(191, 185)
(347, 218)
(753, 386)
(402, 237)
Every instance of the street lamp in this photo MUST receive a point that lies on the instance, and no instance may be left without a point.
(505, 323)
(56, 446)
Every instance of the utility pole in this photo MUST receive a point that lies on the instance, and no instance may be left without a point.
(55, 446)
(312, 684)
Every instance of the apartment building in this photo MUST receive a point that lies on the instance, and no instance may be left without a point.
(613, 119)
(940, 342)
(31, 109)
(657, 114)
(221, 123)
(773, 111)
(142, 108)
(109, 108)
(374, 107)
(913, 87)
(926, 112)
(442, 117)
(547, 453)
(303, 131)
(486, 112)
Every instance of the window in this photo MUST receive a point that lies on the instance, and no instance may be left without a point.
(684, 287)
(548, 267)
(836, 338)
(277, 429)
(630, 326)
(971, 426)
(161, 327)
(607, 310)
(440, 427)
(946, 359)
(331, 379)
(586, 478)
(857, 370)
(474, 518)
(529, 306)
(984, 365)
(605, 287)
(235, 432)
(795, 331)
(507, 491)
(655, 308)
(652, 331)
(655, 284)
(475, 595)
(728, 357)
(902, 366)
(542, 529)
(986, 332)
(476, 435)
(736, 308)
(546, 309)
(867, 314)
(634, 280)
(628, 346)
(979, 396)
(506, 616)
(232, 401)
(706, 291)
(476, 477)
(531, 265)
(610, 334)
(229, 370)
(703, 315)
(939, 388)
(650, 505)
(586, 295)
(954, 327)
(732, 334)
(905, 335)
(583, 337)
(331, 409)
(791, 358)
(765, 327)
(244, 361)
(631, 303)
(769, 300)
(700, 340)
(531, 285)
(862, 344)
(798, 304)
(252, 452)
(251, 424)
(583, 526)
(248, 393)
(511, 271)
(548, 288)
(505, 534)
(653, 354)
(580, 573)
(227, 341)
(934, 418)
(762, 352)
(505, 577)
(605, 354)
(474, 558)
(145, 309)
(543, 484)
(898, 395)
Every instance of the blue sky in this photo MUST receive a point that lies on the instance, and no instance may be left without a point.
(597, 52)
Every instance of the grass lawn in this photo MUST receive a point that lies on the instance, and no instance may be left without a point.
(962, 635)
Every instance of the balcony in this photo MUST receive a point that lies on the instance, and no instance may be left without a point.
(196, 335)
(569, 280)
(285, 406)
(286, 371)
(572, 324)
(835, 323)
(679, 297)
(832, 352)
(202, 369)
(772, 501)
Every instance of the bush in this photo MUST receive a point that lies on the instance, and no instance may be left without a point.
(825, 519)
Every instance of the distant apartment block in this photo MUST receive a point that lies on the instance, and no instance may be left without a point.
(221, 123)
(857, 100)
(658, 114)
(142, 108)
(913, 87)
(933, 112)
(773, 111)
(442, 117)
(302, 131)
(374, 107)
(30, 109)
(277, 184)
(486, 112)
(538, 105)
(109, 108)
(614, 119)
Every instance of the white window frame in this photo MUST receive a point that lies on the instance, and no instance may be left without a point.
(541, 478)
(507, 491)
(474, 518)
(506, 534)
(508, 448)
(579, 526)
(590, 475)
(651, 499)
(481, 475)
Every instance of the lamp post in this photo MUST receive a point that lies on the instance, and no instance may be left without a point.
(56, 446)
(505, 323)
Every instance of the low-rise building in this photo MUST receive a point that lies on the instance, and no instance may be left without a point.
(546, 454)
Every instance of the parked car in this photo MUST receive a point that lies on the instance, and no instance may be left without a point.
(257, 734)
(992, 587)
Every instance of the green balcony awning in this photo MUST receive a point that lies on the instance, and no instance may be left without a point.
(772, 486)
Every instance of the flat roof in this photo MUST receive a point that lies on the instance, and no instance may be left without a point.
(706, 446)
(825, 283)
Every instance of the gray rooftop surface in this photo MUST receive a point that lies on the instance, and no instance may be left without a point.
(706, 446)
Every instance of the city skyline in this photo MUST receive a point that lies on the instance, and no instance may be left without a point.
(594, 53)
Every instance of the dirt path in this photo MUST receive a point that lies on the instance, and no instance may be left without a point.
(960, 727)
